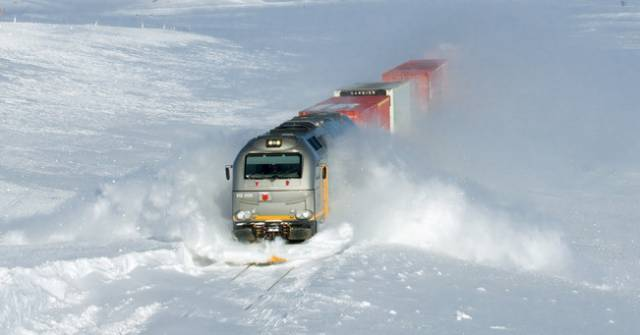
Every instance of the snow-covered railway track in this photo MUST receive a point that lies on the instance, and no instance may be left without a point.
(264, 294)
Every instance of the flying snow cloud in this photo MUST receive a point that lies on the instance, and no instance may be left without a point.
(390, 197)
(186, 200)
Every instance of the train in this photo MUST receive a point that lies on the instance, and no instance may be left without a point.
(281, 179)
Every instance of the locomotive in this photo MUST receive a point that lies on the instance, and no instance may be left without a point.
(281, 178)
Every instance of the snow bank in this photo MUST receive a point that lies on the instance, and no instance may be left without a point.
(32, 297)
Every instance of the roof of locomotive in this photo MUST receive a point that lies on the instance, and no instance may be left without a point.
(294, 132)
(311, 123)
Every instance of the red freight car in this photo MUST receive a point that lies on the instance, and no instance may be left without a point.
(385, 105)
(406, 88)
(427, 76)
(363, 110)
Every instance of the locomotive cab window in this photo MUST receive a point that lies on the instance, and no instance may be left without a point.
(273, 166)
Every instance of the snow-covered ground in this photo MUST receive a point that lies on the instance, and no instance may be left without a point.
(512, 209)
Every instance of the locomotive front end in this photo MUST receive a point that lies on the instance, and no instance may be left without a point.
(274, 190)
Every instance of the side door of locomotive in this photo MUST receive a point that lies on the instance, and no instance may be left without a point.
(322, 192)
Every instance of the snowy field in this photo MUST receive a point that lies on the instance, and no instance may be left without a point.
(512, 209)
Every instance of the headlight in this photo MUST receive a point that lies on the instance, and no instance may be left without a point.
(304, 215)
(243, 215)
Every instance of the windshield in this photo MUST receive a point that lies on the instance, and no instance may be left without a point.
(273, 166)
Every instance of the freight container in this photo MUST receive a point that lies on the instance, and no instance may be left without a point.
(397, 117)
(427, 77)
(366, 111)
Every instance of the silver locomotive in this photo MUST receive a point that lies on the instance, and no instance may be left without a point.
(281, 179)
